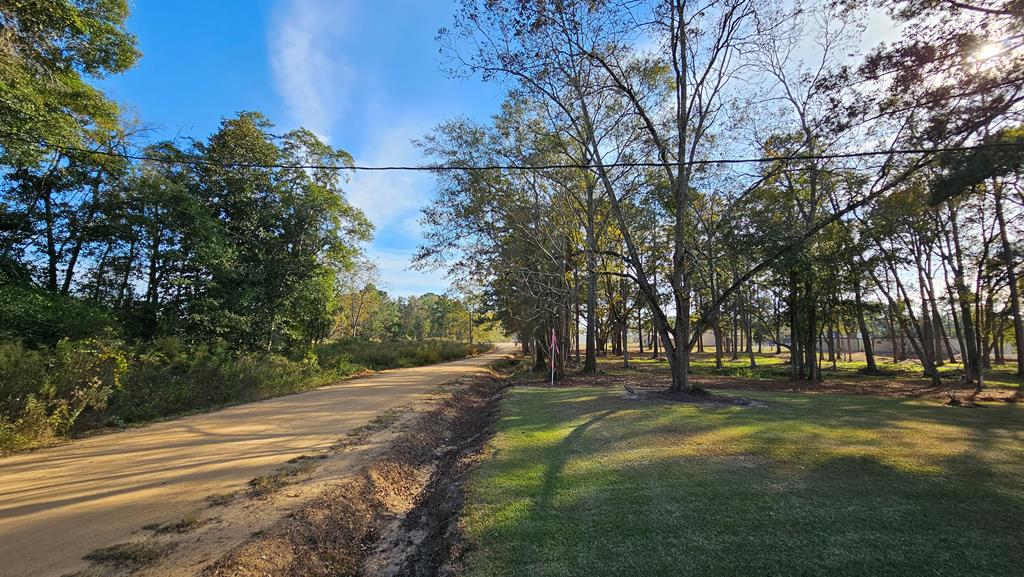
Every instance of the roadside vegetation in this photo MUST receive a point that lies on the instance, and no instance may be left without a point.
(81, 386)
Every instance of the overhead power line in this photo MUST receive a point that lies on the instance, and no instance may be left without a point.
(552, 166)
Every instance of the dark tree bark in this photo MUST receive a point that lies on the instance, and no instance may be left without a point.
(590, 359)
(972, 356)
(1011, 277)
(639, 330)
(750, 343)
(869, 349)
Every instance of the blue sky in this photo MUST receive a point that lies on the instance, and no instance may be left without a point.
(364, 74)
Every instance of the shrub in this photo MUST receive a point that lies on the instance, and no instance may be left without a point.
(22, 373)
(45, 391)
(37, 317)
(167, 381)
(377, 355)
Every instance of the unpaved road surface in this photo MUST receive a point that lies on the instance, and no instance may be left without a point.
(58, 504)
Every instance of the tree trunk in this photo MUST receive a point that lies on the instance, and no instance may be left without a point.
(576, 316)
(750, 335)
(927, 334)
(961, 343)
(51, 242)
(625, 345)
(910, 325)
(796, 358)
(126, 277)
(942, 335)
(716, 327)
(831, 343)
(1011, 277)
(639, 330)
(869, 349)
(813, 368)
(654, 341)
(539, 359)
(590, 359)
(972, 359)
(735, 329)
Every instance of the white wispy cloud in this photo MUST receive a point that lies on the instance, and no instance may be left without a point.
(319, 89)
(391, 199)
(310, 72)
(411, 226)
(397, 276)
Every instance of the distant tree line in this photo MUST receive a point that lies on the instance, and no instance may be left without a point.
(367, 312)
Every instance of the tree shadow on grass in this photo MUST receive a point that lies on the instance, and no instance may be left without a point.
(838, 513)
(701, 516)
(565, 450)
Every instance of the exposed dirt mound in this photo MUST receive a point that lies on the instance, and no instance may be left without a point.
(320, 539)
(396, 516)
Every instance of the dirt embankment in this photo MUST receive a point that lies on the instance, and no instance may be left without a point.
(383, 502)
(396, 515)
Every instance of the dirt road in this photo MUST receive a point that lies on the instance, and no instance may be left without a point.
(58, 504)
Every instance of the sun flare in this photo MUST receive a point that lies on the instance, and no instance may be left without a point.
(987, 51)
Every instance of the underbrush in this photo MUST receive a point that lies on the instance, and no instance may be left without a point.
(43, 392)
(47, 393)
(352, 355)
(40, 318)
(159, 384)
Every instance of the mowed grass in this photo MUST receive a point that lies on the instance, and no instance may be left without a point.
(584, 482)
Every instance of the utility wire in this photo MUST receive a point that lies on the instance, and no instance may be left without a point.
(554, 166)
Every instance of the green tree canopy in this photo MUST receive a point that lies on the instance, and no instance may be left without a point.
(49, 49)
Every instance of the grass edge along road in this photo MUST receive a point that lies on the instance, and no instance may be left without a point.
(581, 481)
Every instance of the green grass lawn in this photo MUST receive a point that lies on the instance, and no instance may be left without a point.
(584, 482)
